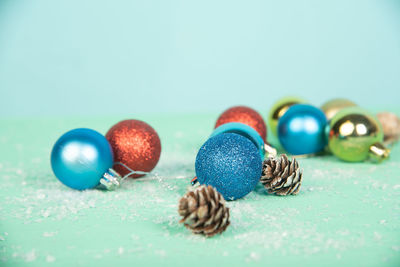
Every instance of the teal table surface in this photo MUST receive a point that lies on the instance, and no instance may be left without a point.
(347, 214)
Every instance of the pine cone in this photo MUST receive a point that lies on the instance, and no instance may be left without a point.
(281, 176)
(204, 211)
(390, 125)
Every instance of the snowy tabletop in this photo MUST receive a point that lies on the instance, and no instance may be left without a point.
(345, 213)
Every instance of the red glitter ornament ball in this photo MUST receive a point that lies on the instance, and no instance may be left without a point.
(246, 116)
(135, 144)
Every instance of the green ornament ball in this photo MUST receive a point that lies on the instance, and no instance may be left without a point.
(279, 108)
(355, 134)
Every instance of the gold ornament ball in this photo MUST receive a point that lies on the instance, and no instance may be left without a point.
(279, 108)
(355, 135)
(333, 106)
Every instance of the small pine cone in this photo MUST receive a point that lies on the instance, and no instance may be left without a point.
(281, 176)
(204, 211)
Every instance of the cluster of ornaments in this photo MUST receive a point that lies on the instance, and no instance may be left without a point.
(229, 165)
(339, 126)
(234, 159)
(83, 158)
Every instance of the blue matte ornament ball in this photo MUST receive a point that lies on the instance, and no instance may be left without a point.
(231, 163)
(80, 158)
(301, 130)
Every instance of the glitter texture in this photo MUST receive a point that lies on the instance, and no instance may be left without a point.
(135, 144)
(244, 115)
(231, 163)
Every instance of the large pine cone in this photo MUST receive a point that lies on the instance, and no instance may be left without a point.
(281, 176)
(204, 211)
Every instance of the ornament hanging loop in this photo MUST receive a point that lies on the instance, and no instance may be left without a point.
(130, 171)
(112, 179)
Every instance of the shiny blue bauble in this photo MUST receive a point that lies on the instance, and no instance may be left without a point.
(80, 158)
(231, 163)
(301, 130)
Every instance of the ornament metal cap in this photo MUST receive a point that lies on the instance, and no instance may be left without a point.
(110, 180)
(270, 150)
(378, 152)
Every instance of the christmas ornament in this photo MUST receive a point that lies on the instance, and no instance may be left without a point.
(136, 145)
(244, 130)
(82, 159)
(279, 108)
(390, 125)
(282, 176)
(301, 130)
(204, 211)
(356, 135)
(331, 107)
(246, 116)
(231, 162)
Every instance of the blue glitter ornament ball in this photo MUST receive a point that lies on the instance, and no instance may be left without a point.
(231, 163)
(80, 158)
(301, 130)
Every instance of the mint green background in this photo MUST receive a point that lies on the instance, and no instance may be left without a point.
(128, 57)
(177, 65)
